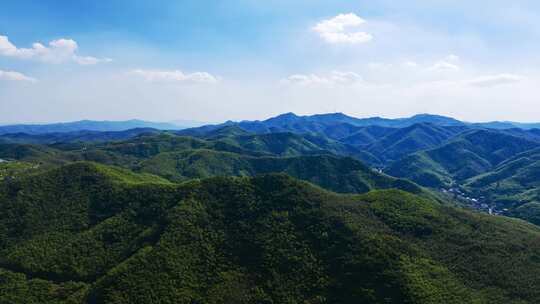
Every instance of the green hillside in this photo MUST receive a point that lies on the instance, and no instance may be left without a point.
(412, 139)
(179, 158)
(338, 174)
(513, 185)
(86, 233)
(513, 176)
(473, 153)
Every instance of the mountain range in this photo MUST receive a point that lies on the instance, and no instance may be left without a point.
(288, 122)
(294, 209)
(86, 125)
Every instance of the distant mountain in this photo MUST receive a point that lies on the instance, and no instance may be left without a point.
(74, 136)
(339, 126)
(334, 125)
(427, 118)
(407, 140)
(472, 153)
(513, 182)
(507, 125)
(227, 131)
(364, 136)
(188, 123)
(86, 125)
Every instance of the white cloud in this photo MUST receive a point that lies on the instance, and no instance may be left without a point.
(450, 63)
(337, 29)
(175, 76)
(345, 77)
(495, 80)
(452, 58)
(380, 66)
(89, 60)
(15, 76)
(305, 79)
(333, 79)
(410, 64)
(444, 66)
(58, 51)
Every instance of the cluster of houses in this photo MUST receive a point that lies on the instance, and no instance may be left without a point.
(476, 203)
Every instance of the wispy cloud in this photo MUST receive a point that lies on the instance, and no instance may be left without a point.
(332, 79)
(15, 76)
(495, 80)
(57, 51)
(444, 66)
(409, 64)
(342, 29)
(89, 60)
(448, 64)
(175, 76)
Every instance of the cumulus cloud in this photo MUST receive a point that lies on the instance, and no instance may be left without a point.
(15, 76)
(342, 29)
(495, 80)
(58, 51)
(175, 76)
(333, 79)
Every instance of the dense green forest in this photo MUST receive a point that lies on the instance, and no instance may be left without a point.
(88, 233)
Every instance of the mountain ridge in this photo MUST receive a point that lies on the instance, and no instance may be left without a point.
(85, 125)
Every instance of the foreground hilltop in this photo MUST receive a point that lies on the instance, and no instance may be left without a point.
(87, 233)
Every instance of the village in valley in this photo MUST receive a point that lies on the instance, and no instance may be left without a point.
(468, 200)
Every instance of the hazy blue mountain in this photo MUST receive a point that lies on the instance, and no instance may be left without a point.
(530, 134)
(188, 123)
(367, 135)
(75, 136)
(86, 125)
(227, 131)
(427, 118)
(337, 126)
(507, 125)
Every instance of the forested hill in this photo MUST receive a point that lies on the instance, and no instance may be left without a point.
(179, 159)
(87, 233)
(434, 151)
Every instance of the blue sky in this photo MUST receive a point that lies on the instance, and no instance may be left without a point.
(218, 60)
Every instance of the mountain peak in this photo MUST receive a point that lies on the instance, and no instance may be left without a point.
(283, 118)
(287, 115)
(435, 119)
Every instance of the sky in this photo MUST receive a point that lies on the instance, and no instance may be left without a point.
(212, 61)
